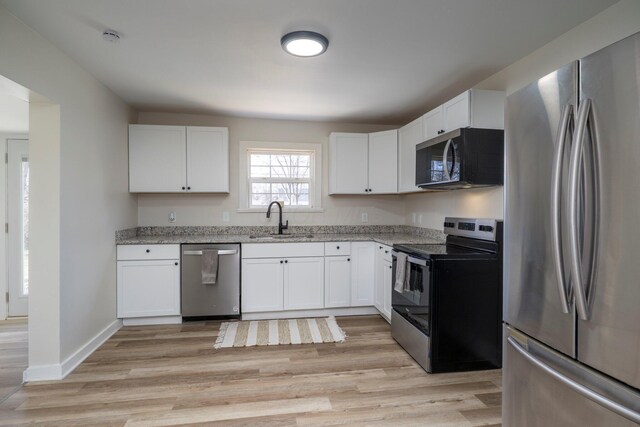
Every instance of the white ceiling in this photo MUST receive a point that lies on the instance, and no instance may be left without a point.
(387, 62)
(14, 114)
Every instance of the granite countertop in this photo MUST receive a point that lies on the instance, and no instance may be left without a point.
(388, 235)
(384, 238)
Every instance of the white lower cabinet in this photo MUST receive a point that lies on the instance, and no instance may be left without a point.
(148, 287)
(362, 273)
(383, 280)
(303, 283)
(262, 284)
(337, 281)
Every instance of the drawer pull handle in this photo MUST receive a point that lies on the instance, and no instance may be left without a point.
(220, 252)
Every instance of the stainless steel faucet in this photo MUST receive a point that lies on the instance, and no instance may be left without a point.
(280, 225)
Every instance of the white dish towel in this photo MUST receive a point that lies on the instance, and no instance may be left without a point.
(401, 269)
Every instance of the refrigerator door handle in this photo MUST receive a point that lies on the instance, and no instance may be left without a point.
(445, 156)
(576, 386)
(575, 169)
(566, 128)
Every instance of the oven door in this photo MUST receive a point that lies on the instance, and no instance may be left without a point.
(413, 302)
(439, 163)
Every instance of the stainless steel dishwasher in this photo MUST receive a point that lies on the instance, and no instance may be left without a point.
(210, 300)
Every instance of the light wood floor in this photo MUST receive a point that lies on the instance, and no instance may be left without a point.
(13, 355)
(171, 375)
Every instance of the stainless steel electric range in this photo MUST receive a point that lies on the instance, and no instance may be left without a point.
(447, 304)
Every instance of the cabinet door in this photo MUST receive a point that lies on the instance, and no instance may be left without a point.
(379, 278)
(157, 159)
(337, 281)
(362, 273)
(432, 123)
(386, 285)
(207, 159)
(408, 137)
(457, 112)
(303, 283)
(348, 163)
(148, 288)
(383, 162)
(262, 285)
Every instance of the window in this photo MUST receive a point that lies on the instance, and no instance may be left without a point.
(283, 172)
(280, 175)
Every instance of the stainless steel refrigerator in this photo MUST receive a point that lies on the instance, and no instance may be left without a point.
(572, 245)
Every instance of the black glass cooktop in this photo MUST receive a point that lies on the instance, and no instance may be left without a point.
(441, 251)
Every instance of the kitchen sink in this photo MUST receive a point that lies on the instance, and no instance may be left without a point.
(282, 236)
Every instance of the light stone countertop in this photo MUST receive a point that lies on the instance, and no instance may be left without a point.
(384, 238)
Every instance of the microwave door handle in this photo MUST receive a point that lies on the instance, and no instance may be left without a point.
(445, 156)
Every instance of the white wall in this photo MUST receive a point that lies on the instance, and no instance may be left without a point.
(87, 192)
(613, 24)
(207, 209)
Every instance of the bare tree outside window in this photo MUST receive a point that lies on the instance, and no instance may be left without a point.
(278, 175)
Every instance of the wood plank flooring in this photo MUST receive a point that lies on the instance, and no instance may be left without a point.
(13, 354)
(171, 375)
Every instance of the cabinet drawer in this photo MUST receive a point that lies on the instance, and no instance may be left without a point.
(337, 248)
(142, 252)
(282, 250)
(384, 252)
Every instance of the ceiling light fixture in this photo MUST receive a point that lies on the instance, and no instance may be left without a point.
(111, 36)
(304, 43)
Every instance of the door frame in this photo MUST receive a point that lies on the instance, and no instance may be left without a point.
(4, 241)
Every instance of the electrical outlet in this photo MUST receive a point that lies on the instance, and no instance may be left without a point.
(365, 217)
(225, 216)
(413, 218)
(420, 219)
(172, 217)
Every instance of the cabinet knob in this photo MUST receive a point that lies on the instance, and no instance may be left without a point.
(184, 188)
(148, 250)
(337, 247)
(176, 263)
(188, 188)
(281, 261)
(390, 267)
(348, 259)
(386, 252)
(286, 261)
(379, 247)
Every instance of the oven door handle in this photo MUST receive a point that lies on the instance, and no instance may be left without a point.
(413, 260)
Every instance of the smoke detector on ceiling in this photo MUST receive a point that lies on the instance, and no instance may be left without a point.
(111, 36)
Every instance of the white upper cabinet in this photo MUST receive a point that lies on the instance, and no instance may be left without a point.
(472, 108)
(361, 163)
(157, 159)
(409, 136)
(177, 159)
(432, 123)
(348, 163)
(207, 159)
(383, 162)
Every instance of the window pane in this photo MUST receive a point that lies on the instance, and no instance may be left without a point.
(261, 188)
(260, 159)
(260, 171)
(260, 199)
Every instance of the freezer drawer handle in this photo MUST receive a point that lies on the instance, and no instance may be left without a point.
(577, 387)
(220, 252)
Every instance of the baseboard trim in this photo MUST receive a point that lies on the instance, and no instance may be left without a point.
(292, 314)
(159, 320)
(60, 371)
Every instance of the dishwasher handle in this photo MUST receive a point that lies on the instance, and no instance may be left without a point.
(220, 252)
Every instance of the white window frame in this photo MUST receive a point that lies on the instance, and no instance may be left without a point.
(315, 190)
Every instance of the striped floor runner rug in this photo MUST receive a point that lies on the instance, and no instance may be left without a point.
(274, 332)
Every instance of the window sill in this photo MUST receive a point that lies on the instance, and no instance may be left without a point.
(286, 210)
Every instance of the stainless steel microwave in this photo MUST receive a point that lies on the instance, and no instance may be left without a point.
(463, 158)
